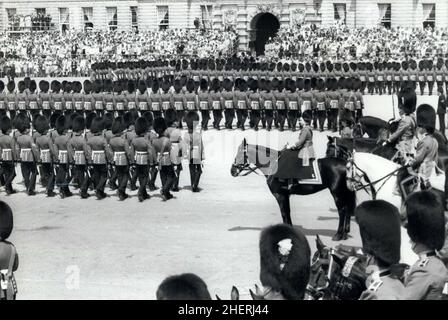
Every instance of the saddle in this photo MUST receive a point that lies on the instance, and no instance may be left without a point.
(290, 166)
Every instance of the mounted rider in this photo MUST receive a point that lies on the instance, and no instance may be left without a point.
(406, 127)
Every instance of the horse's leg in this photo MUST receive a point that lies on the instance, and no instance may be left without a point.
(285, 209)
(340, 233)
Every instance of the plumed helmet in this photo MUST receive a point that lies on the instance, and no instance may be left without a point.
(21, 86)
(284, 261)
(11, 86)
(183, 287)
(87, 86)
(141, 126)
(426, 117)
(191, 118)
(118, 125)
(379, 225)
(21, 122)
(97, 125)
(78, 124)
(61, 124)
(426, 219)
(190, 85)
(170, 117)
(160, 125)
(33, 86)
(6, 221)
(5, 124)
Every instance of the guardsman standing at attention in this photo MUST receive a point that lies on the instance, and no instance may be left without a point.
(335, 103)
(122, 155)
(7, 154)
(130, 96)
(203, 103)
(428, 277)
(190, 97)
(280, 101)
(162, 147)
(33, 100)
(307, 97)
(422, 76)
(11, 99)
(195, 149)
(78, 98)
(175, 135)
(63, 157)
(241, 102)
(3, 100)
(254, 103)
(142, 97)
(88, 98)
(430, 75)
(228, 97)
(45, 150)
(22, 97)
(78, 151)
(98, 151)
(119, 98)
(57, 98)
(98, 97)
(320, 103)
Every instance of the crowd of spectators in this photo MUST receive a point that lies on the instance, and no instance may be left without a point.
(72, 53)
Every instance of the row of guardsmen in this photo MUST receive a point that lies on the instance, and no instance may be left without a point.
(93, 150)
(275, 102)
(376, 76)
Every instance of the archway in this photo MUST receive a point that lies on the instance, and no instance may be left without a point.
(265, 25)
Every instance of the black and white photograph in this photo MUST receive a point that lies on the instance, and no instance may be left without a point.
(223, 150)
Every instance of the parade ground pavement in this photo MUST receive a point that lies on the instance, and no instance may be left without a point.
(90, 249)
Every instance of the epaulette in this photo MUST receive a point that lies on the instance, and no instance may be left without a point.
(423, 262)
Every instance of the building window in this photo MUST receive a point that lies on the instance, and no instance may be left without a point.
(206, 16)
(134, 18)
(429, 15)
(88, 17)
(340, 12)
(13, 22)
(64, 19)
(41, 11)
(163, 17)
(385, 14)
(112, 18)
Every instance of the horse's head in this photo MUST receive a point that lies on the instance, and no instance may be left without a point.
(356, 177)
(335, 149)
(241, 162)
(318, 282)
(234, 294)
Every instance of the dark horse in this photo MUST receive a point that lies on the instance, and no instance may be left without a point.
(332, 170)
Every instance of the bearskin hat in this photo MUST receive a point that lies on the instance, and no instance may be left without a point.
(215, 85)
(301, 67)
(141, 126)
(170, 117)
(348, 84)
(21, 86)
(68, 87)
(177, 85)
(405, 65)
(379, 225)
(308, 66)
(89, 118)
(43, 86)
(78, 124)
(129, 118)
(439, 64)
(307, 84)
(55, 86)
(422, 65)
(307, 116)
(61, 124)
(53, 119)
(346, 67)
(426, 219)
(131, 86)
(291, 86)
(408, 100)
(426, 117)
(300, 84)
(320, 85)
(118, 125)
(108, 118)
(294, 66)
(5, 124)
(183, 287)
(166, 86)
(41, 124)
(190, 85)
(353, 66)
(190, 118)
(203, 85)
(97, 125)
(149, 118)
(315, 66)
(253, 85)
(284, 261)
(21, 122)
(27, 81)
(142, 86)
(98, 86)
(227, 84)
(242, 85)
(6, 221)
(87, 86)
(160, 125)
(11, 86)
(313, 82)
(2, 86)
(338, 66)
(155, 86)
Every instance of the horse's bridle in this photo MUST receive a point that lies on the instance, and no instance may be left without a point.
(246, 165)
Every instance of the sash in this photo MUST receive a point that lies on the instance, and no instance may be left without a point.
(99, 157)
(63, 156)
(203, 105)
(80, 158)
(280, 104)
(6, 155)
(216, 105)
(191, 105)
(293, 105)
(45, 156)
(178, 105)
